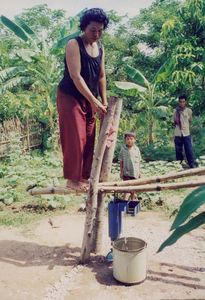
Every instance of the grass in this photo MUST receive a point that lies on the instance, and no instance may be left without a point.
(21, 172)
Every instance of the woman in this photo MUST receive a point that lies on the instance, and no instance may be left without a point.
(84, 78)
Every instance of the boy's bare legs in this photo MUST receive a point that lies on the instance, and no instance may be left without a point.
(126, 196)
(132, 196)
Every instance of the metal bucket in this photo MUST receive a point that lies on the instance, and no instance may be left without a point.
(129, 260)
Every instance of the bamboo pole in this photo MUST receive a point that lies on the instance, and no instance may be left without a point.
(94, 179)
(151, 187)
(154, 179)
(104, 176)
(51, 190)
(142, 181)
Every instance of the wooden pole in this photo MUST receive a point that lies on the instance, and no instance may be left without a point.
(104, 176)
(51, 190)
(94, 179)
(151, 187)
(109, 151)
(154, 179)
(142, 181)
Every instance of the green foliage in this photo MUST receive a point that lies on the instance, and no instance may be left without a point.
(184, 229)
(190, 204)
(152, 200)
(150, 101)
(33, 66)
(184, 38)
(4, 74)
(64, 41)
(8, 195)
(159, 150)
(21, 172)
(132, 87)
(35, 77)
(137, 76)
(15, 28)
(26, 28)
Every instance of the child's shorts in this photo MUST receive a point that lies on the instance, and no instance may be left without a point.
(128, 177)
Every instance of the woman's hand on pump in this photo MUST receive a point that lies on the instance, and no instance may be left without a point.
(98, 107)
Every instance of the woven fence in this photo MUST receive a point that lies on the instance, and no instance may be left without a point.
(29, 135)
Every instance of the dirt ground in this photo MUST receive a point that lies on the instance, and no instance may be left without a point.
(44, 266)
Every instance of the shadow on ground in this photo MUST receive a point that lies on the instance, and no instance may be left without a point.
(104, 275)
(26, 254)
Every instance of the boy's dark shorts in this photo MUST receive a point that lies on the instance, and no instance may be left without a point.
(128, 177)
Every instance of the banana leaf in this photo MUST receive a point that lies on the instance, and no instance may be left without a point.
(15, 28)
(125, 85)
(26, 54)
(75, 19)
(163, 69)
(26, 28)
(137, 76)
(190, 204)
(61, 43)
(180, 231)
(63, 31)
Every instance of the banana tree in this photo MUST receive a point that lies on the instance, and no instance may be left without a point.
(189, 206)
(147, 99)
(39, 68)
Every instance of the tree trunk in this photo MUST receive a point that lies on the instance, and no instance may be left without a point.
(104, 176)
(91, 204)
(151, 133)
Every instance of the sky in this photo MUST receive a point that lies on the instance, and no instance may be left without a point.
(10, 8)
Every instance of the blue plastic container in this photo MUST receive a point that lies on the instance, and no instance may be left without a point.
(115, 209)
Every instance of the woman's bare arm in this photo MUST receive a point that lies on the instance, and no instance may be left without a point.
(74, 67)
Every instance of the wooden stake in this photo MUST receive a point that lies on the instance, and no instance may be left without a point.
(104, 176)
(94, 179)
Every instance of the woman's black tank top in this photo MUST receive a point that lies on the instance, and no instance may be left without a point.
(90, 71)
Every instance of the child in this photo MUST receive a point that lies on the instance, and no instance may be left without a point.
(130, 158)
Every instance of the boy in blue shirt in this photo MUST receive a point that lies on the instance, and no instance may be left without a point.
(130, 158)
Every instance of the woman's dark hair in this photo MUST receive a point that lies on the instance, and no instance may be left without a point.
(93, 14)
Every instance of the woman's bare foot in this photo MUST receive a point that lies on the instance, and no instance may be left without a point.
(85, 180)
(77, 186)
